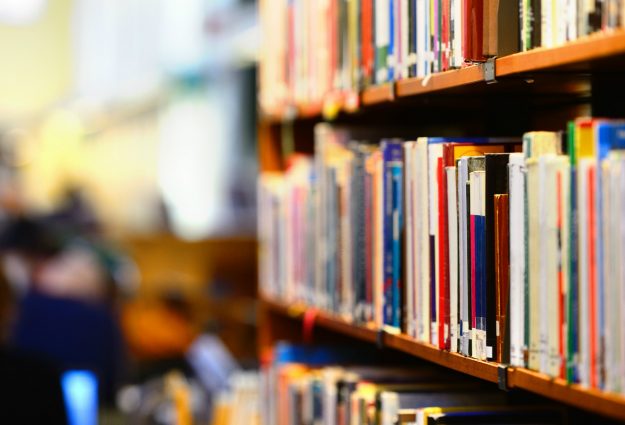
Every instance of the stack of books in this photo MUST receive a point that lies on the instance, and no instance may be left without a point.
(315, 50)
(502, 249)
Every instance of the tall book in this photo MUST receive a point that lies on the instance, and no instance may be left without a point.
(422, 242)
(496, 167)
(382, 39)
(452, 244)
(435, 161)
(478, 262)
(392, 152)
(502, 267)
(410, 260)
(518, 251)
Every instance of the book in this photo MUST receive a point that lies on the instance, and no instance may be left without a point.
(496, 171)
(477, 181)
(452, 231)
(392, 153)
(502, 265)
(517, 257)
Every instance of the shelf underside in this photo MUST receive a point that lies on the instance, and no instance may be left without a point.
(611, 405)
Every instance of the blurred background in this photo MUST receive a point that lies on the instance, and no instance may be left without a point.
(127, 207)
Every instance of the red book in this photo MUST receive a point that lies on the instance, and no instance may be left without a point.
(472, 28)
(445, 33)
(443, 300)
(366, 42)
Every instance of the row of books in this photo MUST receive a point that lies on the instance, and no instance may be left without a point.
(240, 403)
(502, 249)
(300, 393)
(314, 50)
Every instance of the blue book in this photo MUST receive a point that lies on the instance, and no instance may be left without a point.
(390, 61)
(392, 154)
(478, 262)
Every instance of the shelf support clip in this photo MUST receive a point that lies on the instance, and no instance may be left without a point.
(502, 377)
(489, 70)
(379, 339)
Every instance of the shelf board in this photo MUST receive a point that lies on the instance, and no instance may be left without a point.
(589, 53)
(378, 94)
(612, 405)
(581, 52)
(440, 81)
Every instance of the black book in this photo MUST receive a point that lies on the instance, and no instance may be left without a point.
(496, 166)
(412, 36)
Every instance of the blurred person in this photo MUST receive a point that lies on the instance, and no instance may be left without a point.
(31, 386)
(61, 313)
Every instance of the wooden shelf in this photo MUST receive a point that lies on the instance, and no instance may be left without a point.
(378, 94)
(607, 404)
(588, 54)
(441, 81)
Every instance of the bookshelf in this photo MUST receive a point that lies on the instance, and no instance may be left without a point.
(595, 52)
(557, 389)
(585, 67)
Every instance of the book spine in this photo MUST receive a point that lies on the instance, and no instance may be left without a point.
(392, 154)
(411, 60)
(592, 278)
(502, 264)
(517, 259)
(391, 59)
(382, 34)
(410, 281)
(369, 244)
(496, 183)
(398, 231)
(463, 263)
(367, 55)
(453, 248)
(443, 290)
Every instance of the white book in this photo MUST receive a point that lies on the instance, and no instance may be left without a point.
(435, 152)
(571, 21)
(458, 59)
(552, 170)
(613, 237)
(382, 33)
(516, 169)
(618, 187)
(584, 165)
(463, 266)
(477, 206)
(547, 278)
(409, 237)
(421, 37)
(422, 241)
(389, 407)
(560, 21)
(452, 224)
(610, 293)
(547, 30)
(533, 230)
